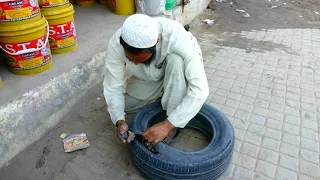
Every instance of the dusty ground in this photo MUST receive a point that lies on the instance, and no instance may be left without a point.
(45, 159)
(295, 14)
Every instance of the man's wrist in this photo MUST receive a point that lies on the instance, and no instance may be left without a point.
(119, 122)
(169, 125)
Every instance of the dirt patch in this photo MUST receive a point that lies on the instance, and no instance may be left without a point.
(263, 15)
(43, 159)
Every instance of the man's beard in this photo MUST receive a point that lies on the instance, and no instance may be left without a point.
(148, 61)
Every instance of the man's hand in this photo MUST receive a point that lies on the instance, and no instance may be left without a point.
(158, 132)
(122, 131)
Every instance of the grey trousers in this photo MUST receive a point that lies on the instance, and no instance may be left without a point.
(173, 87)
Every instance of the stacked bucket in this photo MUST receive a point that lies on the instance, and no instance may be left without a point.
(24, 37)
(122, 7)
(62, 32)
(28, 32)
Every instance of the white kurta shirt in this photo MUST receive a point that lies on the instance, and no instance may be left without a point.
(173, 38)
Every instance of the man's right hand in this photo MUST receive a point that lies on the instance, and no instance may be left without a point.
(123, 132)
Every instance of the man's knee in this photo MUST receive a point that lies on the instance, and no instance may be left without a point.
(174, 60)
(133, 104)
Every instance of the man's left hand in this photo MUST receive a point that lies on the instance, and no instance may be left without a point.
(158, 132)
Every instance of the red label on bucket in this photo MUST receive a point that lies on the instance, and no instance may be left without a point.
(62, 35)
(30, 60)
(52, 3)
(114, 3)
(18, 10)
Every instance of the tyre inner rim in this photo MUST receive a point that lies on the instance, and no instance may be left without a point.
(199, 123)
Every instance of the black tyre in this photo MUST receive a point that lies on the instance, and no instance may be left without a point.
(170, 163)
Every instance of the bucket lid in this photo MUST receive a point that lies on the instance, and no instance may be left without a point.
(51, 11)
(22, 27)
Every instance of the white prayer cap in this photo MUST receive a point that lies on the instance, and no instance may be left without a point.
(140, 31)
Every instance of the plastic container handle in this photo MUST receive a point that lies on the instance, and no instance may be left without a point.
(29, 50)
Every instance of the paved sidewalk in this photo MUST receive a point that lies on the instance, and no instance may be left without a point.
(270, 91)
(268, 83)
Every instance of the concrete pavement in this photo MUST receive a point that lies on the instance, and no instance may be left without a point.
(270, 90)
